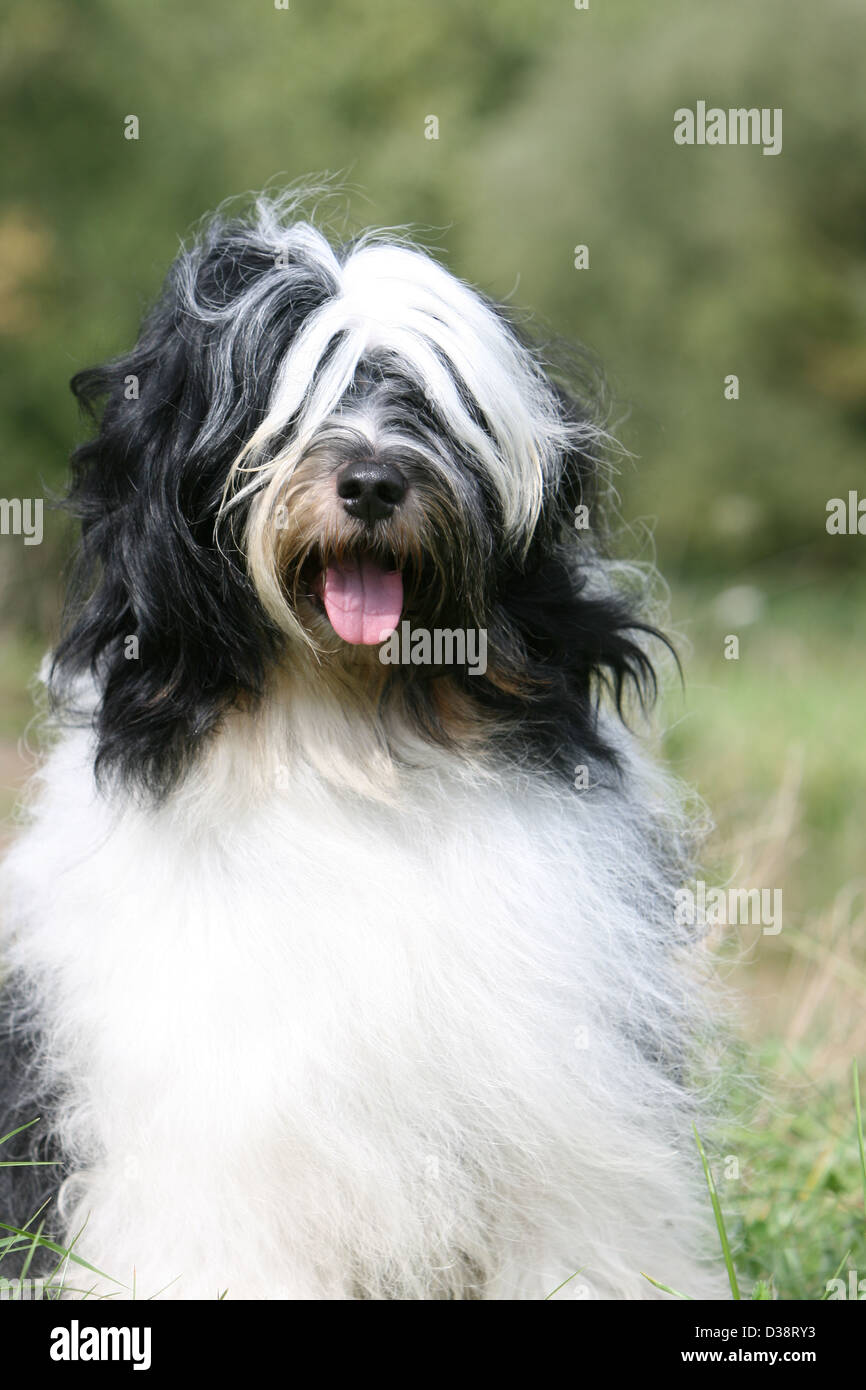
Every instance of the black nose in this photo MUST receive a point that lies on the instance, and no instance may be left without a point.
(371, 489)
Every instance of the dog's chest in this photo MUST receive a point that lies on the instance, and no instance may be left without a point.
(393, 1023)
(289, 956)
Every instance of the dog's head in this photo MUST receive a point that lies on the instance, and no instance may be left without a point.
(308, 448)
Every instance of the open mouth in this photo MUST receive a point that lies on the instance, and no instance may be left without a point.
(362, 597)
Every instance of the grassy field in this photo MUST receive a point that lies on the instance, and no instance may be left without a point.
(773, 743)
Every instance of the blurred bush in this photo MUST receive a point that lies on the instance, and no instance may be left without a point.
(555, 128)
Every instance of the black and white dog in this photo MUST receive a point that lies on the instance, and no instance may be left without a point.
(327, 973)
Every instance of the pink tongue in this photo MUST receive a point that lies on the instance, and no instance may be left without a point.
(363, 601)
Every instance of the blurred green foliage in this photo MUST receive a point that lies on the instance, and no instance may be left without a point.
(555, 128)
(775, 739)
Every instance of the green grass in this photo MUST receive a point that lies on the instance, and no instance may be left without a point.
(29, 1239)
(794, 1211)
(773, 741)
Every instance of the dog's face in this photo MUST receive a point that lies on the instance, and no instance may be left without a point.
(408, 441)
(378, 521)
(306, 448)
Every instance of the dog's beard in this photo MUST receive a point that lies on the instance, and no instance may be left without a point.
(342, 584)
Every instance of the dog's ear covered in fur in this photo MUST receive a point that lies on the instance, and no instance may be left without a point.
(569, 630)
(147, 490)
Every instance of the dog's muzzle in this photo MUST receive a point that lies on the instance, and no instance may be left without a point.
(362, 597)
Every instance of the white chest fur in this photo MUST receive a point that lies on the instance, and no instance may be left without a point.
(313, 1046)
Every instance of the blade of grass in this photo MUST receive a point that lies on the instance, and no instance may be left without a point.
(720, 1222)
(37, 1235)
(46, 1244)
(19, 1130)
(28, 1163)
(559, 1286)
(153, 1296)
(844, 1260)
(665, 1288)
(859, 1113)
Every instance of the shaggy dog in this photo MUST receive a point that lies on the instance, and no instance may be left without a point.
(340, 949)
